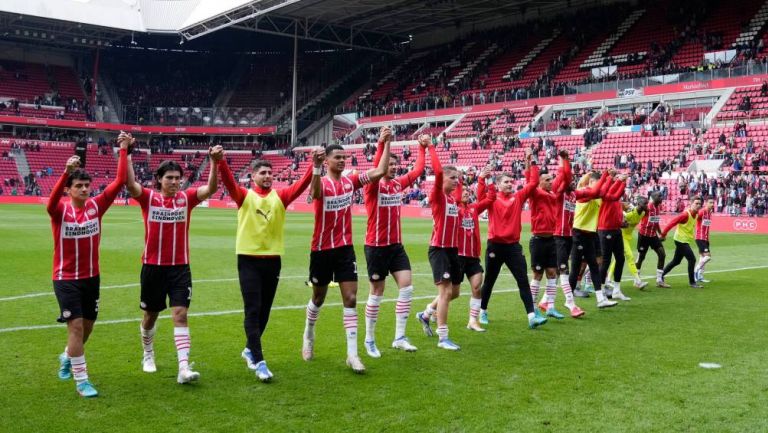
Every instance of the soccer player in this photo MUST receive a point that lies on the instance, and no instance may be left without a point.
(259, 246)
(565, 205)
(165, 269)
(443, 249)
(542, 246)
(384, 252)
(648, 237)
(503, 246)
(702, 239)
(685, 223)
(590, 189)
(469, 247)
(609, 230)
(76, 227)
(632, 218)
(332, 256)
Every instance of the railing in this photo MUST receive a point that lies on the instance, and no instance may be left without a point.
(480, 97)
(196, 116)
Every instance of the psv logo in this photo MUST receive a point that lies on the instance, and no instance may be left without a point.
(744, 225)
(180, 201)
(91, 212)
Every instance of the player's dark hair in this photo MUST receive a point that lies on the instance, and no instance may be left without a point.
(655, 195)
(78, 174)
(395, 157)
(697, 197)
(332, 147)
(165, 167)
(261, 163)
(595, 175)
(641, 201)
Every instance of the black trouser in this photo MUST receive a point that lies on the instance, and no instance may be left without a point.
(683, 250)
(584, 250)
(497, 254)
(612, 244)
(258, 284)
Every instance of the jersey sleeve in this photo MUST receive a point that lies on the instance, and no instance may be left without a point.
(106, 198)
(291, 193)
(437, 189)
(563, 178)
(192, 200)
(481, 188)
(680, 219)
(359, 180)
(409, 178)
(235, 191)
(54, 201)
(532, 182)
(616, 191)
(487, 201)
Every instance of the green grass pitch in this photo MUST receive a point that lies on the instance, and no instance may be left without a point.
(633, 368)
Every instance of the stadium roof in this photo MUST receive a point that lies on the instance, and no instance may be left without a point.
(370, 24)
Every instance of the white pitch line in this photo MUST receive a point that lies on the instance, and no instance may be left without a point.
(301, 307)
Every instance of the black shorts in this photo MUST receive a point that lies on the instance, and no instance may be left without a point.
(470, 266)
(383, 261)
(445, 265)
(563, 246)
(160, 282)
(543, 253)
(703, 246)
(646, 242)
(77, 298)
(336, 264)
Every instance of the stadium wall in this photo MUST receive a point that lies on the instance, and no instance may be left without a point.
(720, 223)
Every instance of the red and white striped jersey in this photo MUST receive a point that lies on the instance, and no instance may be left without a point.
(333, 212)
(702, 225)
(566, 207)
(445, 219)
(77, 231)
(649, 225)
(166, 226)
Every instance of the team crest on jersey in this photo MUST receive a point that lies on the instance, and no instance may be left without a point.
(181, 201)
(347, 186)
(91, 212)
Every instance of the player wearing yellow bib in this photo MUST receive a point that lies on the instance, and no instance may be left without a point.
(685, 223)
(632, 218)
(259, 246)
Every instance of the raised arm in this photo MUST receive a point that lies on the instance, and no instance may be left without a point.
(316, 185)
(236, 191)
(532, 177)
(564, 176)
(617, 189)
(437, 189)
(291, 193)
(380, 170)
(487, 201)
(133, 187)
(109, 195)
(418, 168)
(587, 194)
(215, 153)
(680, 219)
(53, 201)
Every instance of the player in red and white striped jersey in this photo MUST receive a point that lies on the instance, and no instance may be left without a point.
(443, 249)
(384, 252)
(703, 223)
(165, 270)
(332, 257)
(648, 237)
(76, 227)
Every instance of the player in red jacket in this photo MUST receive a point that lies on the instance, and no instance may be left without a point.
(703, 223)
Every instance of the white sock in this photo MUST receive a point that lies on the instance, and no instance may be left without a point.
(565, 283)
(350, 327)
(148, 338)
(183, 343)
(531, 316)
(587, 277)
(551, 292)
(442, 332)
(659, 274)
(535, 284)
(616, 287)
(474, 308)
(371, 315)
(599, 296)
(313, 311)
(429, 311)
(402, 310)
(79, 369)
